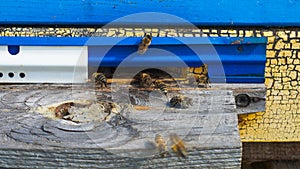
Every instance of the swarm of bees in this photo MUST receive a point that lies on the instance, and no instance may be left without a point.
(113, 116)
(202, 79)
(180, 101)
(177, 146)
(145, 43)
(99, 79)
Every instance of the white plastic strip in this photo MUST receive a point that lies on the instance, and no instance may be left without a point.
(44, 64)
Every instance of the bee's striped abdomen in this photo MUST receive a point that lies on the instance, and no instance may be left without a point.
(100, 79)
(161, 86)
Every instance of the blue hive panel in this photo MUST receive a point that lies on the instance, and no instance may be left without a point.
(205, 12)
(239, 63)
(228, 61)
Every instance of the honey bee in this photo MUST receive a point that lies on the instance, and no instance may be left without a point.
(63, 109)
(204, 68)
(109, 107)
(145, 80)
(143, 46)
(100, 79)
(202, 79)
(161, 145)
(161, 86)
(180, 101)
(117, 119)
(178, 146)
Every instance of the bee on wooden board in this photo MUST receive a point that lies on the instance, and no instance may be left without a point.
(180, 101)
(115, 120)
(100, 79)
(202, 79)
(143, 46)
(109, 107)
(178, 146)
(145, 80)
(161, 86)
(161, 145)
(63, 109)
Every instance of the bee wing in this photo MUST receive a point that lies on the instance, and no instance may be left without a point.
(142, 49)
(178, 145)
(143, 46)
(150, 145)
(175, 139)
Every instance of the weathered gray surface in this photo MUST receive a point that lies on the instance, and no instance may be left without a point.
(252, 90)
(29, 140)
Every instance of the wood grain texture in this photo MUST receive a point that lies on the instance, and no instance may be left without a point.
(92, 12)
(209, 129)
(253, 91)
(270, 151)
(274, 165)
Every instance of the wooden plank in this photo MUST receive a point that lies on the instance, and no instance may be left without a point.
(208, 13)
(255, 91)
(270, 151)
(209, 129)
(274, 165)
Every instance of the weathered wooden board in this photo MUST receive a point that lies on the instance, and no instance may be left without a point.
(256, 92)
(274, 165)
(270, 151)
(28, 139)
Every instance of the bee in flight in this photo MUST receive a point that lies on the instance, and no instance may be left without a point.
(161, 86)
(161, 145)
(178, 146)
(143, 46)
(100, 79)
(180, 101)
(145, 80)
(202, 79)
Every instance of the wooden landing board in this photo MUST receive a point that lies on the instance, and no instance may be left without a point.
(29, 139)
(252, 90)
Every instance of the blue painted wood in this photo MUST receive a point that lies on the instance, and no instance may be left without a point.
(121, 41)
(204, 12)
(239, 63)
(228, 61)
